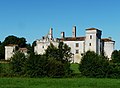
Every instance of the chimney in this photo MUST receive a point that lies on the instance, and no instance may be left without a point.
(51, 33)
(62, 34)
(74, 31)
(110, 38)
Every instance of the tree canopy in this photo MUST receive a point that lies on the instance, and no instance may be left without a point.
(21, 42)
(115, 56)
(94, 65)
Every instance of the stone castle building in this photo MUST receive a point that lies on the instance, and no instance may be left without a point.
(79, 45)
(11, 49)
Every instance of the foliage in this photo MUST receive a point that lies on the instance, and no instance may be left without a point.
(50, 64)
(35, 66)
(52, 51)
(33, 45)
(64, 52)
(93, 65)
(114, 70)
(21, 42)
(29, 47)
(58, 61)
(115, 56)
(18, 62)
(55, 68)
(0, 68)
(2, 52)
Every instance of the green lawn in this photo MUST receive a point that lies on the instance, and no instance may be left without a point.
(58, 83)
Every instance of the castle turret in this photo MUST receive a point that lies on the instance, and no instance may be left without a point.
(92, 41)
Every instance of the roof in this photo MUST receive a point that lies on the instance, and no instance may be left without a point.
(12, 45)
(72, 39)
(107, 40)
(23, 49)
(93, 29)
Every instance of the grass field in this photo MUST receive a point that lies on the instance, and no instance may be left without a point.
(58, 83)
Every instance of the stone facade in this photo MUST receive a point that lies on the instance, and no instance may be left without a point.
(79, 45)
(9, 51)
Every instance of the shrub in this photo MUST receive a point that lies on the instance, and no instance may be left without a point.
(55, 68)
(35, 66)
(93, 65)
(17, 63)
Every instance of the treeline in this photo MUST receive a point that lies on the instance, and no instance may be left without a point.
(94, 65)
(21, 42)
(54, 63)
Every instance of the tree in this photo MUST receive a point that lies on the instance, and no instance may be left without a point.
(94, 65)
(36, 66)
(0, 68)
(33, 45)
(21, 42)
(55, 68)
(18, 62)
(2, 52)
(115, 56)
(58, 58)
(10, 40)
(52, 51)
(64, 52)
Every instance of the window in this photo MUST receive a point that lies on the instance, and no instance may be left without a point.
(90, 36)
(89, 44)
(77, 44)
(77, 51)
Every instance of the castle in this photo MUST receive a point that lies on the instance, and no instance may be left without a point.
(79, 45)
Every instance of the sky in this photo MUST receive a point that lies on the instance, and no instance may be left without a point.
(32, 19)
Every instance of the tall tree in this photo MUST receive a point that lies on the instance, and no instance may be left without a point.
(93, 65)
(58, 58)
(116, 56)
(21, 42)
(10, 40)
(17, 63)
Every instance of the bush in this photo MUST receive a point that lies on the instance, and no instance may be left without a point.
(58, 60)
(0, 68)
(17, 63)
(35, 66)
(115, 56)
(55, 68)
(114, 70)
(93, 65)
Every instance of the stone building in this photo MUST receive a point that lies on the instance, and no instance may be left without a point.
(11, 49)
(79, 45)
